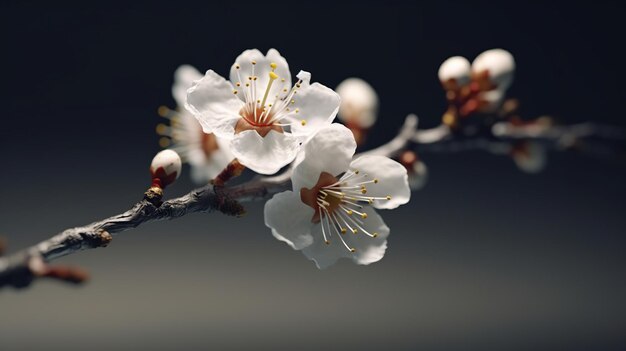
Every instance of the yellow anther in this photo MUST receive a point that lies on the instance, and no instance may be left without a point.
(161, 128)
(292, 101)
(254, 78)
(253, 62)
(353, 250)
(163, 111)
(284, 90)
(349, 213)
(237, 67)
(282, 80)
(370, 201)
(356, 171)
(249, 77)
(247, 84)
(164, 142)
(388, 197)
(297, 85)
(235, 92)
(297, 110)
(375, 181)
(354, 231)
(363, 190)
(238, 84)
(363, 215)
(303, 122)
(327, 242)
(273, 65)
(375, 235)
(344, 230)
(272, 76)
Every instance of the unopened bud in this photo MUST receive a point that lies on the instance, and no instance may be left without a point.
(359, 103)
(499, 65)
(165, 168)
(455, 69)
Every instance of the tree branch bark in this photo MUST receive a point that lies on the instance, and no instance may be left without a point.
(21, 268)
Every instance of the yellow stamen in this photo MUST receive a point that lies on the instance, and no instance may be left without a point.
(273, 77)
(161, 128)
(303, 122)
(163, 111)
(164, 142)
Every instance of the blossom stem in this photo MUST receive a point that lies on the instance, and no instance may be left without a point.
(234, 169)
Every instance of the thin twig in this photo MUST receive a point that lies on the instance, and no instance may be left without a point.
(21, 268)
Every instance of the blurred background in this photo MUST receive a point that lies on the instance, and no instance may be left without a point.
(484, 257)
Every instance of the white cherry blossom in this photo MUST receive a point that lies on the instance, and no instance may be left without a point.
(330, 213)
(264, 117)
(207, 154)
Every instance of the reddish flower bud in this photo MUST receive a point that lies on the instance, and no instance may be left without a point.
(165, 168)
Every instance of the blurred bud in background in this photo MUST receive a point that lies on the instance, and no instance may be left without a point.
(454, 73)
(359, 107)
(493, 71)
(206, 154)
(529, 156)
(416, 169)
(479, 87)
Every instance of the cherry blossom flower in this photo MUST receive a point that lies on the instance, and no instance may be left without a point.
(330, 213)
(258, 110)
(207, 154)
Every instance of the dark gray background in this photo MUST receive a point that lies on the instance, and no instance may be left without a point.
(485, 257)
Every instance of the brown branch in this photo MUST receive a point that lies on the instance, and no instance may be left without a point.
(21, 268)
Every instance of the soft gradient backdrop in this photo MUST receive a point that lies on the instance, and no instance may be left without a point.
(484, 257)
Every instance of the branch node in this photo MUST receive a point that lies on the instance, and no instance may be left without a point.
(105, 238)
(154, 195)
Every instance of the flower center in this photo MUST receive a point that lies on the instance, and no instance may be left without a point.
(336, 201)
(262, 112)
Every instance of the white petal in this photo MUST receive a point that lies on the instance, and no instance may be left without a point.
(330, 150)
(212, 102)
(265, 155)
(205, 168)
(262, 69)
(290, 219)
(359, 102)
(368, 249)
(184, 77)
(392, 180)
(317, 105)
(499, 63)
(457, 68)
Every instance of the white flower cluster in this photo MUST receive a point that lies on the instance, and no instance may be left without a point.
(266, 121)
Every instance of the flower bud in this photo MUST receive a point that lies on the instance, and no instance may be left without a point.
(454, 71)
(359, 103)
(416, 169)
(165, 168)
(499, 65)
(529, 157)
